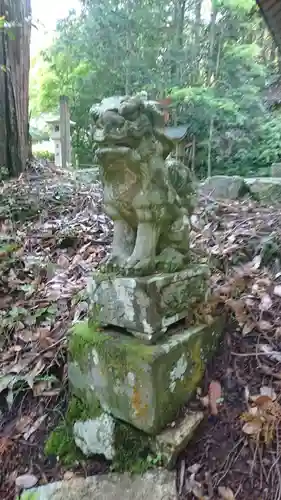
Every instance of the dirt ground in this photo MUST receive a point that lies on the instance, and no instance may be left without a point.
(53, 234)
(219, 450)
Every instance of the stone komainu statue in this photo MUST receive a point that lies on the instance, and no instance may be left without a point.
(149, 197)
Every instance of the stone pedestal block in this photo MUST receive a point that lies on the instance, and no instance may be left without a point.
(147, 306)
(144, 385)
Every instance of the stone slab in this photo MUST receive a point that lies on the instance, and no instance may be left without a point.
(144, 385)
(173, 440)
(157, 484)
(147, 306)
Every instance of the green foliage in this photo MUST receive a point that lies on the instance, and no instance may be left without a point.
(215, 70)
(4, 174)
(45, 155)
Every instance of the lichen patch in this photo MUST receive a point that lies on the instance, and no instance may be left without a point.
(178, 372)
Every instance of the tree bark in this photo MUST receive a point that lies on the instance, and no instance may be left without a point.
(14, 78)
(196, 34)
(179, 17)
(212, 37)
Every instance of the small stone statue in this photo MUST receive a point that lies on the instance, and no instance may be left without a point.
(149, 198)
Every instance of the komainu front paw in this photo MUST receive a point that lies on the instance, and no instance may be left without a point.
(110, 264)
(139, 267)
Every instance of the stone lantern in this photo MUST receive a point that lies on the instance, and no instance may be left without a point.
(55, 135)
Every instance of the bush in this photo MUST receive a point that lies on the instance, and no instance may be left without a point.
(45, 155)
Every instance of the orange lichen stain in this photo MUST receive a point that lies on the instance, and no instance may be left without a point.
(140, 409)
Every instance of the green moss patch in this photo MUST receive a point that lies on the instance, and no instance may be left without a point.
(132, 449)
(82, 338)
(61, 444)
(29, 495)
(120, 354)
(61, 441)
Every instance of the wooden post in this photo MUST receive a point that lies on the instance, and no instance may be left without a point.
(193, 155)
(180, 150)
(65, 132)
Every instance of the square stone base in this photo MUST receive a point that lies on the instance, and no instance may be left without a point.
(147, 306)
(144, 385)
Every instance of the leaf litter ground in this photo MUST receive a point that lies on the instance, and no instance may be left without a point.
(53, 233)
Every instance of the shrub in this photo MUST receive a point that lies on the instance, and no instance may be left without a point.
(45, 155)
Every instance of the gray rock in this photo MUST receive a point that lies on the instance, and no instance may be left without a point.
(224, 186)
(153, 485)
(96, 436)
(173, 440)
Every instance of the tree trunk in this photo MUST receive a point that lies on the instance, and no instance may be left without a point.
(197, 33)
(179, 16)
(212, 37)
(14, 75)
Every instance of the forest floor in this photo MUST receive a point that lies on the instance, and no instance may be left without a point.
(53, 233)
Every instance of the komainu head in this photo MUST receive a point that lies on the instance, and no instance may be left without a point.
(123, 123)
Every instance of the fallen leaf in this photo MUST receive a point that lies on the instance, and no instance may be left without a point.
(193, 469)
(193, 486)
(27, 335)
(278, 332)
(253, 411)
(248, 328)
(226, 493)
(265, 326)
(68, 475)
(247, 393)
(26, 481)
(256, 262)
(277, 290)
(267, 349)
(268, 391)
(81, 309)
(215, 393)
(34, 427)
(263, 401)
(23, 423)
(265, 303)
(253, 427)
(238, 307)
(63, 261)
(5, 445)
(43, 386)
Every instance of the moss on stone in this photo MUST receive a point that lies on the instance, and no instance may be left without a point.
(132, 449)
(28, 495)
(133, 452)
(62, 445)
(61, 442)
(82, 410)
(83, 337)
(120, 355)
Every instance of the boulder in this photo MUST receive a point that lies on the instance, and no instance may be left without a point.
(224, 186)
